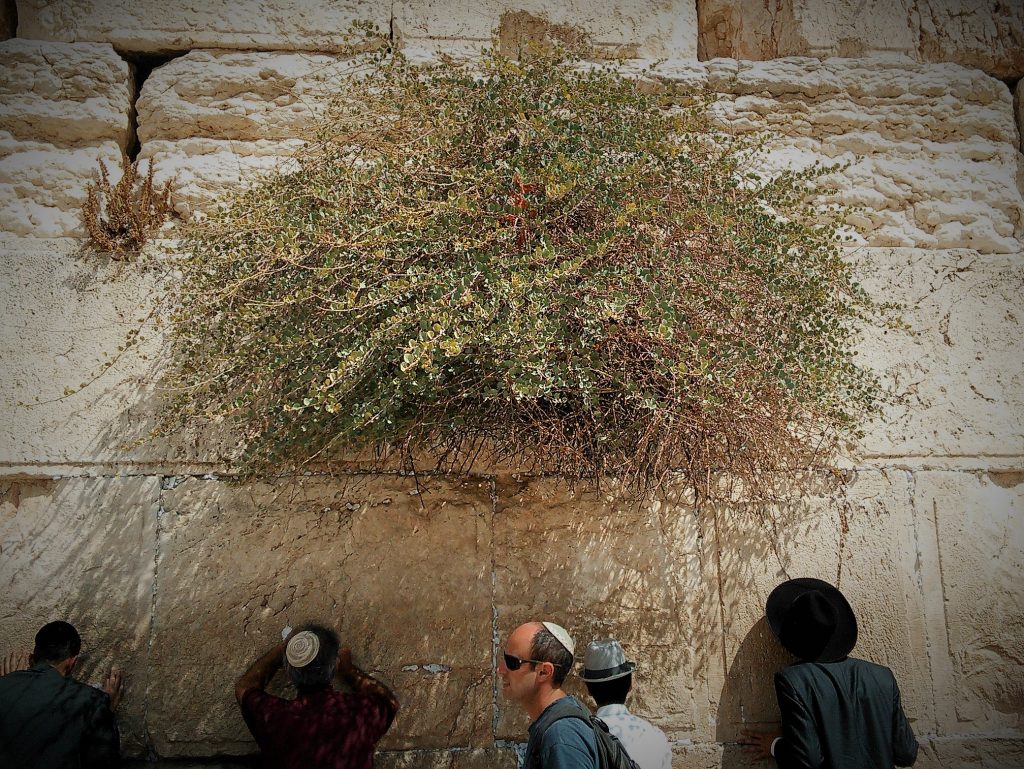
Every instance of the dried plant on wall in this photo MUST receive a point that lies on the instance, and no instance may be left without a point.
(536, 259)
(120, 218)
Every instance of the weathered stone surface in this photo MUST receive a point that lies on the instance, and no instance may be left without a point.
(956, 370)
(495, 758)
(153, 26)
(931, 148)
(1018, 103)
(43, 187)
(977, 523)
(403, 575)
(82, 550)
(238, 96)
(604, 565)
(63, 109)
(985, 34)
(207, 171)
(667, 28)
(988, 752)
(63, 318)
(861, 539)
(67, 95)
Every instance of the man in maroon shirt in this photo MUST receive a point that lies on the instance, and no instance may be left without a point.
(321, 728)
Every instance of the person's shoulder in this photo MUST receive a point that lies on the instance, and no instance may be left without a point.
(255, 699)
(570, 731)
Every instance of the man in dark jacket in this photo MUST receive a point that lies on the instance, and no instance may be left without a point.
(838, 712)
(48, 720)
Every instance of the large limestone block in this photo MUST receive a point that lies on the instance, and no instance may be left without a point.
(955, 371)
(985, 34)
(927, 153)
(83, 550)
(861, 537)
(66, 95)
(63, 109)
(154, 26)
(401, 568)
(977, 590)
(204, 172)
(43, 187)
(667, 28)
(63, 318)
(606, 565)
(250, 96)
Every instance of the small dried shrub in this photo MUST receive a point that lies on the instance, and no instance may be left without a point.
(120, 218)
(534, 258)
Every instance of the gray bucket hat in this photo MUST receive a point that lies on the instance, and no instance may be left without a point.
(605, 661)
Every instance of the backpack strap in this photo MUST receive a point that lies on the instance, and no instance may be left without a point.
(563, 708)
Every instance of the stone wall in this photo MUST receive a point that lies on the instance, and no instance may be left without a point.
(183, 576)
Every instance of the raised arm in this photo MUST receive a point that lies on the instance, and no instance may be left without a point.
(261, 671)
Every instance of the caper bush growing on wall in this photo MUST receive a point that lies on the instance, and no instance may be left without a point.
(537, 259)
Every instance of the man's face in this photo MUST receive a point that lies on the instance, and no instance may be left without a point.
(519, 685)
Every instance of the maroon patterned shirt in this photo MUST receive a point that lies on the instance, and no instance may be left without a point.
(320, 730)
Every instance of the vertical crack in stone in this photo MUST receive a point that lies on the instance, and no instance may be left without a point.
(9, 17)
(167, 482)
(494, 617)
(141, 66)
(721, 588)
(942, 590)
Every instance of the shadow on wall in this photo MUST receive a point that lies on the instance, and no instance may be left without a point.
(748, 697)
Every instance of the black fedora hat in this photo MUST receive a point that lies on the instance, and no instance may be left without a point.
(812, 620)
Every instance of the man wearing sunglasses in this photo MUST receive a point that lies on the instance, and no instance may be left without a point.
(535, 661)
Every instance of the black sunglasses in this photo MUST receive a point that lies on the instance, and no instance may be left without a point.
(512, 662)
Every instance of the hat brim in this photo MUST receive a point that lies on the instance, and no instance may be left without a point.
(781, 599)
(608, 674)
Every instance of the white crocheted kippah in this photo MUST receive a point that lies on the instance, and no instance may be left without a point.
(562, 635)
(302, 649)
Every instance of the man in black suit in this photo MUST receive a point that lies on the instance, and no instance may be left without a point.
(838, 712)
(48, 720)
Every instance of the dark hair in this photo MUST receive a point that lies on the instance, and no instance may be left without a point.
(610, 692)
(546, 648)
(318, 673)
(56, 642)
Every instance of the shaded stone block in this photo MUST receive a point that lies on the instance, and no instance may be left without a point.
(64, 321)
(988, 752)
(955, 371)
(978, 598)
(402, 575)
(82, 550)
(861, 538)
(150, 26)
(604, 565)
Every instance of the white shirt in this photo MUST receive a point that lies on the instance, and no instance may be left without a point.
(645, 742)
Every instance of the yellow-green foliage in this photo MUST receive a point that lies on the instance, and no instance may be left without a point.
(536, 258)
